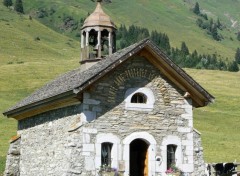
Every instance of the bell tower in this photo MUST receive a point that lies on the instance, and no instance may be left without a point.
(98, 37)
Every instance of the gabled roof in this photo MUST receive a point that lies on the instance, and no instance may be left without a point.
(70, 84)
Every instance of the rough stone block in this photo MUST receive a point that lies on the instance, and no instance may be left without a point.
(187, 142)
(86, 95)
(187, 167)
(88, 148)
(89, 163)
(189, 152)
(86, 153)
(186, 116)
(90, 130)
(97, 109)
(184, 130)
(86, 138)
(88, 116)
(85, 107)
(190, 136)
(91, 102)
(189, 147)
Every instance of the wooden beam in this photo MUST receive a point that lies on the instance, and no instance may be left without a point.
(46, 107)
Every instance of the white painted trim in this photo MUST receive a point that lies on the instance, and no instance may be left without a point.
(116, 149)
(174, 140)
(151, 150)
(148, 106)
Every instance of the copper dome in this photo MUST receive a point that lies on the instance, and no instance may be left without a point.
(98, 18)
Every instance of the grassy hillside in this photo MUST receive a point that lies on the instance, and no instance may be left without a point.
(26, 62)
(173, 17)
(219, 123)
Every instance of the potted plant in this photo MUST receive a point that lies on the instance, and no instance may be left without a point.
(108, 171)
(173, 170)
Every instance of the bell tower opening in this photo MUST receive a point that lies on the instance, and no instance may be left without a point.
(98, 37)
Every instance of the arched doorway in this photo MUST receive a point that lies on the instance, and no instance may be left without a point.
(139, 158)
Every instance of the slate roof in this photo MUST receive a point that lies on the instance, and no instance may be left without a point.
(75, 80)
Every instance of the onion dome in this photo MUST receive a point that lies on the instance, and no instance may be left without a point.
(98, 18)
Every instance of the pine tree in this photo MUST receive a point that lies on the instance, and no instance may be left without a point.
(238, 36)
(19, 6)
(7, 3)
(196, 9)
(237, 56)
(214, 32)
(211, 25)
(184, 49)
(233, 67)
(219, 25)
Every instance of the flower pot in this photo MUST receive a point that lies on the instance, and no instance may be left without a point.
(174, 174)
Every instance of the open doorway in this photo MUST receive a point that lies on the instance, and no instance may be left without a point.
(139, 158)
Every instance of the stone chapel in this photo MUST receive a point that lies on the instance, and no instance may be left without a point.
(131, 110)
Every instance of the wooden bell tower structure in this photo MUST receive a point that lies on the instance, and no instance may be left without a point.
(98, 37)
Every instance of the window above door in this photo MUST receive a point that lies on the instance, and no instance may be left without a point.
(139, 99)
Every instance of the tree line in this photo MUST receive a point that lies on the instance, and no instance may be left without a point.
(18, 5)
(210, 26)
(181, 56)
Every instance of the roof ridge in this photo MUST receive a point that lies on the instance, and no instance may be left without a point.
(69, 78)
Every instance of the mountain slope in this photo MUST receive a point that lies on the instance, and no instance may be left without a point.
(173, 17)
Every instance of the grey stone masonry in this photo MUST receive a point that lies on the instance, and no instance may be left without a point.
(170, 116)
(13, 159)
(199, 165)
(46, 144)
(67, 141)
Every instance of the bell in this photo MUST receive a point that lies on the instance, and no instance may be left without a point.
(95, 48)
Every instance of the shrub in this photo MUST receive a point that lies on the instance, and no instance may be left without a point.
(7, 3)
(19, 6)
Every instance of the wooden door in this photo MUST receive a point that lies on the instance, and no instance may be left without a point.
(146, 164)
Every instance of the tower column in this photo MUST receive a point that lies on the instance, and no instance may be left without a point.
(82, 47)
(87, 44)
(110, 43)
(82, 40)
(99, 44)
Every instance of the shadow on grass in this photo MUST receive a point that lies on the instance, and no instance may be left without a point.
(2, 165)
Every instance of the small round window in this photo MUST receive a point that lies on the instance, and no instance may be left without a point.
(139, 98)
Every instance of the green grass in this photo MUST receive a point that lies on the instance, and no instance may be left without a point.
(173, 17)
(26, 64)
(219, 122)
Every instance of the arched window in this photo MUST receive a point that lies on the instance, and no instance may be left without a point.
(106, 153)
(171, 157)
(139, 98)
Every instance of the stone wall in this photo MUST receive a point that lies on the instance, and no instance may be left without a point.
(68, 141)
(199, 165)
(170, 116)
(46, 144)
(13, 159)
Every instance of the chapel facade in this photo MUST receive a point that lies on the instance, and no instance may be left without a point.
(129, 110)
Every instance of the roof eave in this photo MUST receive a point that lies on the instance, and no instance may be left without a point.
(206, 97)
(40, 104)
